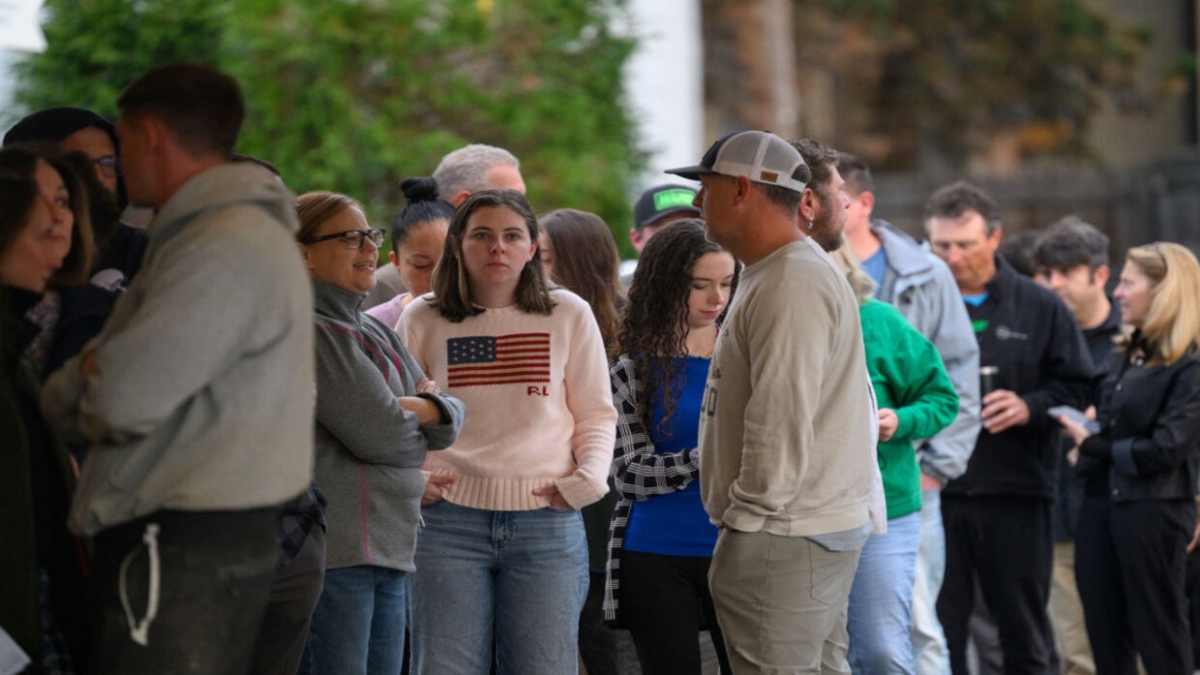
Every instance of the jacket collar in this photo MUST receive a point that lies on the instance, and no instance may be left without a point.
(1005, 279)
(336, 302)
(15, 330)
(904, 254)
(1111, 324)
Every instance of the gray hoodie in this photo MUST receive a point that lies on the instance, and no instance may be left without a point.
(203, 398)
(369, 449)
(920, 285)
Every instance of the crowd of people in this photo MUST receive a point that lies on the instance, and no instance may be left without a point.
(232, 443)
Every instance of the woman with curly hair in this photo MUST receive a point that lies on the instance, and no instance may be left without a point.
(661, 540)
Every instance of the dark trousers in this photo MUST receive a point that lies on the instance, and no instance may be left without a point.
(195, 585)
(294, 594)
(1193, 595)
(1130, 564)
(665, 601)
(604, 650)
(1007, 544)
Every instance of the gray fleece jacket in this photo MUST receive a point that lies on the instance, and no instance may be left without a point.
(920, 285)
(369, 449)
(203, 396)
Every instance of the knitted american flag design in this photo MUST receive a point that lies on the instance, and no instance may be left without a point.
(519, 358)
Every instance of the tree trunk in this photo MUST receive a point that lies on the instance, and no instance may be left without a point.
(749, 66)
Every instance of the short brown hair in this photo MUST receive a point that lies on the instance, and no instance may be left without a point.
(955, 199)
(201, 106)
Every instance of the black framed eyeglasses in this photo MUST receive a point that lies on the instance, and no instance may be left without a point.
(109, 165)
(352, 239)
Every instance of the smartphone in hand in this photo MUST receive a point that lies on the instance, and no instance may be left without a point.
(1077, 416)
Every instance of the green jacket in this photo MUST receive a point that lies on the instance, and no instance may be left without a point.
(908, 377)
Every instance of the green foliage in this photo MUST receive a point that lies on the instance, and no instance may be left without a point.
(97, 47)
(355, 95)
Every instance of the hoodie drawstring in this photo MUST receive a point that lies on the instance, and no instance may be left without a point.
(139, 631)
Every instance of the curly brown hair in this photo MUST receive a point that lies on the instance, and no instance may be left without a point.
(655, 328)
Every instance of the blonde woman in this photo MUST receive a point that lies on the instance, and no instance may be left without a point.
(1141, 469)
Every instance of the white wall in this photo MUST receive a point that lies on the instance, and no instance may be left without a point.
(665, 84)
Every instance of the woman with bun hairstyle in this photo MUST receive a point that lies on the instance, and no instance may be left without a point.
(502, 558)
(418, 236)
(1140, 471)
(661, 540)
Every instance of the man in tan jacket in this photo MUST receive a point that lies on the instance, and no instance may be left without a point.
(786, 448)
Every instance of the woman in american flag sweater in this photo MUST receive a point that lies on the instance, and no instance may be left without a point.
(662, 541)
(503, 551)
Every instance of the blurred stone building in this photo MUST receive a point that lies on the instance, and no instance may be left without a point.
(1065, 106)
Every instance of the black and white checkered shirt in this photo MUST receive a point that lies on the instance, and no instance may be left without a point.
(638, 473)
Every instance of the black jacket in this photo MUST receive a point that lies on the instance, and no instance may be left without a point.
(84, 309)
(1149, 443)
(36, 480)
(1070, 482)
(1025, 331)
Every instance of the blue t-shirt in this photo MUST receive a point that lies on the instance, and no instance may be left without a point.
(975, 300)
(876, 266)
(675, 524)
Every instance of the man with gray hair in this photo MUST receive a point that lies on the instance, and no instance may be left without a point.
(460, 174)
(787, 454)
(477, 167)
(997, 515)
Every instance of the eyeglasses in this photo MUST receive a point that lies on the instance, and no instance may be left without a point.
(352, 239)
(109, 165)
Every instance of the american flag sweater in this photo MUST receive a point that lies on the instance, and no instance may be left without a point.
(539, 408)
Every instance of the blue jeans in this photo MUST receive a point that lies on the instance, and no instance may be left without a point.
(880, 613)
(930, 654)
(519, 577)
(358, 625)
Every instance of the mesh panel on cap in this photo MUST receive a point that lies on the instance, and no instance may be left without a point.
(761, 157)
